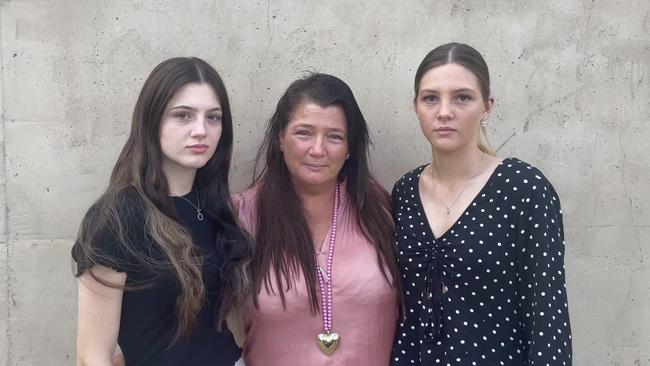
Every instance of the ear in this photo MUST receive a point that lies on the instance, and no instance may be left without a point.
(489, 105)
(415, 108)
(281, 141)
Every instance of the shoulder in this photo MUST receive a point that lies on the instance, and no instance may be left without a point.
(129, 204)
(409, 179)
(378, 191)
(113, 208)
(122, 218)
(515, 171)
(245, 199)
(245, 204)
(113, 227)
(525, 180)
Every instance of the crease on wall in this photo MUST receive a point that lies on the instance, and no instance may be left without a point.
(5, 306)
(4, 296)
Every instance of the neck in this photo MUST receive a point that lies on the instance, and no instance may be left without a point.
(316, 201)
(314, 192)
(179, 180)
(457, 166)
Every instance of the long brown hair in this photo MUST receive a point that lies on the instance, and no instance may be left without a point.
(138, 177)
(467, 57)
(284, 242)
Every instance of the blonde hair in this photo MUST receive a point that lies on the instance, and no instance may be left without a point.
(484, 144)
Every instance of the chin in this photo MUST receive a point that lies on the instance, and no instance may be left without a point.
(317, 183)
(314, 181)
(196, 164)
(444, 145)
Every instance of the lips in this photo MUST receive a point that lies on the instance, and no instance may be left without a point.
(444, 132)
(315, 166)
(198, 148)
(445, 129)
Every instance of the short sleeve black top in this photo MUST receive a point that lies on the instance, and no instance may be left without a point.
(502, 267)
(148, 318)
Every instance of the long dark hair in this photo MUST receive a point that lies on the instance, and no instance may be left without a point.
(138, 174)
(284, 242)
(467, 57)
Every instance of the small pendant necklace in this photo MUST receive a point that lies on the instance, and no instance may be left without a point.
(448, 208)
(199, 215)
(476, 173)
(328, 341)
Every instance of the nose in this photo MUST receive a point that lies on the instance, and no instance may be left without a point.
(445, 112)
(317, 147)
(198, 128)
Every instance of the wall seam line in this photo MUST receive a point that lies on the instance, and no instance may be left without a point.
(5, 212)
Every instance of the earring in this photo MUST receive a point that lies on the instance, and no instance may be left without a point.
(484, 120)
(347, 156)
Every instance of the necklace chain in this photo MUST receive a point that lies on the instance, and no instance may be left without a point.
(325, 275)
(474, 175)
(199, 214)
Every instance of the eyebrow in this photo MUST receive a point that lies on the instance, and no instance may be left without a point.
(216, 109)
(461, 90)
(307, 125)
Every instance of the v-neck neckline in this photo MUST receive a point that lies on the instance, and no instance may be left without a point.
(325, 244)
(472, 203)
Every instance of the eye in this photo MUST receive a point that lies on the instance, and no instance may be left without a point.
(183, 116)
(214, 118)
(464, 98)
(430, 98)
(336, 137)
(302, 132)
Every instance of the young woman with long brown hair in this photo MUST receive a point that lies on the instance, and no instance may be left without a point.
(160, 258)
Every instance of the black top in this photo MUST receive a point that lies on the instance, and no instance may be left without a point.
(502, 264)
(148, 320)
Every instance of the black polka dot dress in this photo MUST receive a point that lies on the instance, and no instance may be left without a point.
(490, 290)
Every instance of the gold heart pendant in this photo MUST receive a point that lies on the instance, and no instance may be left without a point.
(327, 342)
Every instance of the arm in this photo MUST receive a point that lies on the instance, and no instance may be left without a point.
(544, 312)
(118, 359)
(98, 320)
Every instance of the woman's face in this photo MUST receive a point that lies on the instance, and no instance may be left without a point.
(190, 129)
(450, 106)
(315, 145)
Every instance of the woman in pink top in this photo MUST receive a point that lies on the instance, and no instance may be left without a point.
(324, 274)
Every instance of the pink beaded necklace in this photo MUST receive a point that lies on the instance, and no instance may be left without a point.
(328, 341)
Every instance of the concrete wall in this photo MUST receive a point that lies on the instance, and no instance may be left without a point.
(571, 80)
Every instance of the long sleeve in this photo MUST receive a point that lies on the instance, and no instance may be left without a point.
(503, 267)
(544, 313)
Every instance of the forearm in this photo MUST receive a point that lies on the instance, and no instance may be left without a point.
(95, 360)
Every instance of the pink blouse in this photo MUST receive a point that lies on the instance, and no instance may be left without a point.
(364, 310)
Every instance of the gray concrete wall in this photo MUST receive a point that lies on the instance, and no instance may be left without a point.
(571, 80)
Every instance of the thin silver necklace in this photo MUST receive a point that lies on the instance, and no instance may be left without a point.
(199, 215)
(476, 172)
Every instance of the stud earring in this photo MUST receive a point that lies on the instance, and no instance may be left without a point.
(484, 120)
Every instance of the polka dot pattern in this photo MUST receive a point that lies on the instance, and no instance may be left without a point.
(502, 269)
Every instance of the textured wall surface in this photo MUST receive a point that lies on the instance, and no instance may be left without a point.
(571, 79)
